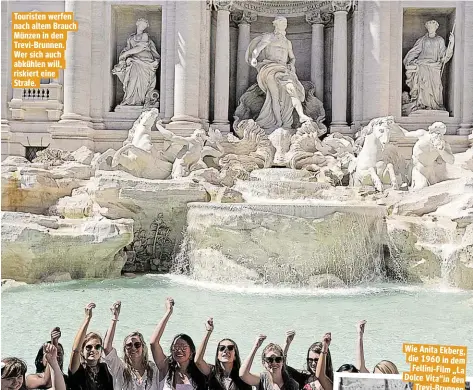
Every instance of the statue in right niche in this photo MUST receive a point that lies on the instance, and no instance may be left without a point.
(425, 64)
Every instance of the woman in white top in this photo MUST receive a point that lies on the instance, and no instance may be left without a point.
(135, 371)
(178, 370)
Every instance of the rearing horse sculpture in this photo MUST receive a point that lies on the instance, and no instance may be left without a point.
(374, 164)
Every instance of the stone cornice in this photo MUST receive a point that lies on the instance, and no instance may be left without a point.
(244, 17)
(286, 8)
(317, 17)
(341, 5)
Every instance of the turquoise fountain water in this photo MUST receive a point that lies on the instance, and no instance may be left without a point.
(395, 314)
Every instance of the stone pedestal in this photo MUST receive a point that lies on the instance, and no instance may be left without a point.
(244, 20)
(317, 20)
(187, 68)
(434, 115)
(340, 68)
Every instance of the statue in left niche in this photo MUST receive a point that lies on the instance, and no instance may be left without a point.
(136, 68)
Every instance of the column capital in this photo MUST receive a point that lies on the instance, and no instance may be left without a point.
(337, 6)
(317, 17)
(244, 17)
(223, 5)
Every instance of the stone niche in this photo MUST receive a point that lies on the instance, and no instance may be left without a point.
(124, 19)
(414, 20)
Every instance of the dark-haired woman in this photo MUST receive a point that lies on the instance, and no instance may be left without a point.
(177, 371)
(86, 370)
(14, 370)
(319, 373)
(225, 373)
(350, 368)
(13, 373)
(275, 376)
(42, 378)
(135, 371)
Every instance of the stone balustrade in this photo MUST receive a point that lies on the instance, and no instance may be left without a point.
(45, 101)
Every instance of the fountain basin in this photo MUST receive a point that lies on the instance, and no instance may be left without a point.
(295, 244)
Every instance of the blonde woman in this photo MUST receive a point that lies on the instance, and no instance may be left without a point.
(275, 376)
(135, 371)
(383, 367)
(86, 370)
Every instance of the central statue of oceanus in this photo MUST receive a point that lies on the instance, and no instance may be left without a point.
(271, 54)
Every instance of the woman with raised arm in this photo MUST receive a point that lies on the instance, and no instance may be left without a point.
(319, 373)
(275, 376)
(225, 373)
(383, 367)
(42, 378)
(177, 371)
(57, 376)
(86, 371)
(135, 371)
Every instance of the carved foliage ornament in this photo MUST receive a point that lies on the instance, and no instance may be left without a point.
(341, 5)
(244, 17)
(317, 17)
(223, 5)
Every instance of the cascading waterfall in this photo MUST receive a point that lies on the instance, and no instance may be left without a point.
(282, 244)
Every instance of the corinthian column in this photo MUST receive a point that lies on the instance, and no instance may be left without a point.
(222, 64)
(317, 20)
(340, 67)
(243, 19)
(467, 91)
(6, 81)
(187, 68)
(78, 64)
(75, 128)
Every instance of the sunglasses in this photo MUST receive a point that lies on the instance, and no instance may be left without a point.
(89, 348)
(310, 361)
(137, 345)
(182, 349)
(276, 359)
(222, 348)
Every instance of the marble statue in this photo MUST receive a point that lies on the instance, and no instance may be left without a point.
(252, 101)
(137, 67)
(250, 149)
(430, 155)
(138, 156)
(372, 165)
(271, 54)
(425, 63)
(190, 157)
(324, 157)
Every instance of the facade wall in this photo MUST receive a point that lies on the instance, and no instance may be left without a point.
(378, 36)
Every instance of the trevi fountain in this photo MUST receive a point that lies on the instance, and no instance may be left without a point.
(314, 156)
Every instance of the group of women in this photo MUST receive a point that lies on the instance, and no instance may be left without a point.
(96, 365)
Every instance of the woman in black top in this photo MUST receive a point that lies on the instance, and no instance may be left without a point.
(86, 370)
(224, 374)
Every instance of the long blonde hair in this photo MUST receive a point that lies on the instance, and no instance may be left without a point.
(127, 372)
(386, 367)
